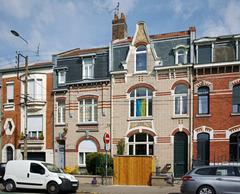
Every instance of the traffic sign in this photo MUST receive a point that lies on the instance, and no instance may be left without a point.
(106, 138)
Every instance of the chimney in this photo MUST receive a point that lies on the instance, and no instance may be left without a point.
(119, 27)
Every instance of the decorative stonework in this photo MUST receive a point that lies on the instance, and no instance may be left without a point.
(9, 126)
(232, 130)
(233, 83)
(141, 37)
(203, 83)
(203, 129)
(140, 124)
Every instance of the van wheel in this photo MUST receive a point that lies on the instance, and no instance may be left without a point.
(10, 186)
(52, 188)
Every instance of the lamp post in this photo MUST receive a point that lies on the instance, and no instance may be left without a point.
(25, 91)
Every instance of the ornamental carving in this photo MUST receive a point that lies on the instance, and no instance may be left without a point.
(142, 124)
(141, 36)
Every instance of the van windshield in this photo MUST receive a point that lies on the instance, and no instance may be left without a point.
(52, 168)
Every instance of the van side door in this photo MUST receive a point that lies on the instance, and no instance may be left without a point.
(36, 176)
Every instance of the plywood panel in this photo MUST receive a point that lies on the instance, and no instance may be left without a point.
(133, 170)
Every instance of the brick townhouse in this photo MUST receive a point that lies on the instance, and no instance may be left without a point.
(151, 94)
(39, 113)
(81, 104)
(216, 134)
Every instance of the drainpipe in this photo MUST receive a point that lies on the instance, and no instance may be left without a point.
(191, 117)
(111, 104)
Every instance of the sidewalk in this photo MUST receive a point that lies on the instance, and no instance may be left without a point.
(117, 189)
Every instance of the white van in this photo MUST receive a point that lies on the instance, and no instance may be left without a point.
(30, 174)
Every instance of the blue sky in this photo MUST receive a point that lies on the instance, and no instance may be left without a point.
(60, 25)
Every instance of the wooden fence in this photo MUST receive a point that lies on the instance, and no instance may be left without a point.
(133, 170)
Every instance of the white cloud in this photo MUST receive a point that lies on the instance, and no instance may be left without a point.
(226, 20)
(17, 8)
(185, 9)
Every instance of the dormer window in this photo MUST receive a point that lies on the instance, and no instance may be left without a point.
(141, 59)
(62, 77)
(88, 70)
(181, 54)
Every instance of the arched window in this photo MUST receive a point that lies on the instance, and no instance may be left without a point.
(181, 99)
(235, 147)
(141, 144)
(9, 153)
(180, 52)
(236, 99)
(141, 59)
(85, 147)
(141, 102)
(203, 100)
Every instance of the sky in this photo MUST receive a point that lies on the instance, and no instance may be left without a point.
(55, 26)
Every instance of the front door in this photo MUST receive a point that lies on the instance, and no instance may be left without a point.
(203, 149)
(180, 154)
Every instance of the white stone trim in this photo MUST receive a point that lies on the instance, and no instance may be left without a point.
(202, 129)
(232, 130)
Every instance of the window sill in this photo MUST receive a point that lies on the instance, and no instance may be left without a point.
(139, 118)
(140, 72)
(82, 165)
(60, 124)
(203, 115)
(180, 117)
(235, 114)
(88, 124)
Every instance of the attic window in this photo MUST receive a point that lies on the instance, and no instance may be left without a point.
(224, 52)
(88, 68)
(180, 52)
(141, 59)
(62, 77)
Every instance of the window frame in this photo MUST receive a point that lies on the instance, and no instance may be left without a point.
(181, 102)
(134, 143)
(93, 105)
(208, 99)
(147, 97)
(61, 77)
(35, 134)
(62, 109)
(137, 53)
(184, 54)
(10, 100)
(90, 66)
(238, 98)
(36, 94)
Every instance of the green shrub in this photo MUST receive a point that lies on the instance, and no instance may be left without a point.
(96, 162)
(120, 147)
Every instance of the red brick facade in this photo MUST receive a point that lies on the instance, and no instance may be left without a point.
(220, 118)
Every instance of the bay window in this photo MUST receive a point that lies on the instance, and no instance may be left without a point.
(35, 126)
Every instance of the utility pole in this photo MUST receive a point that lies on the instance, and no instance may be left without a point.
(25, 92)
(25, 101)
(25, 106)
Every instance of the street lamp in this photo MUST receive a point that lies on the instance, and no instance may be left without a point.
(25, 90)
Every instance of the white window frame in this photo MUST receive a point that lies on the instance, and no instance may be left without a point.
(10, 100)
(134, 143)
(61, 107)
(93, 105)
(61, 77)
(147, 98)
(89, 74)
(38, 132)
(181, 103)
(179, 48)
(36, 93)
(135, 60)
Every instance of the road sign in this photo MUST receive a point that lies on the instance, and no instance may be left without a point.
(106, 138)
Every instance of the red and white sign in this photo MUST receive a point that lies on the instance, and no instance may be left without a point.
(106, 138)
